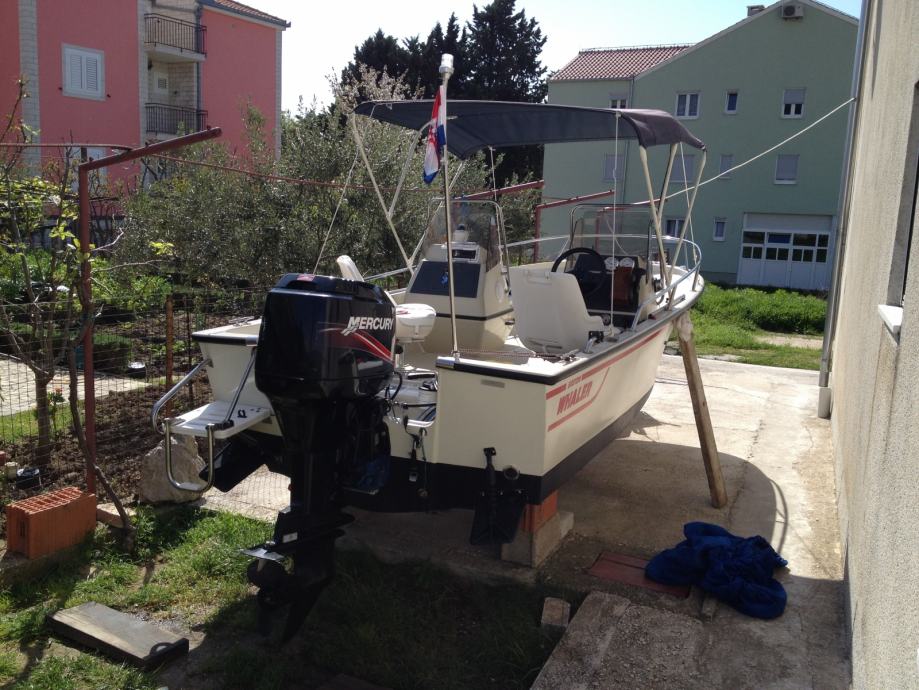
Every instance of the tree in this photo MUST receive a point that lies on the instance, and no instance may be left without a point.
(39, 308)
(503, 49)
(496, 57)
(217, 227)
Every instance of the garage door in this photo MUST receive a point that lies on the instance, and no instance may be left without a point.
(791, 251)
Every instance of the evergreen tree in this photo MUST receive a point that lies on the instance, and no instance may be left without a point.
(495, 57)
(503, 54)
(380, 52)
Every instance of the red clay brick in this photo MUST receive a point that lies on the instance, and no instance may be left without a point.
(535, 516)
(44, 524)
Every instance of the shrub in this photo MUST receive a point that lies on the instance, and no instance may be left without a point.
(780, 310)
(111, 352)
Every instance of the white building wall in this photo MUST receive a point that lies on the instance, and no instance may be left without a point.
(875, 395)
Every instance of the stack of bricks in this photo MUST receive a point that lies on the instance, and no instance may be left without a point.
(45, 524)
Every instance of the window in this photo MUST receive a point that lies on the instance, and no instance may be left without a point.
(687, 165)
(730, 102)
(786, 168)
(793, 103)
(618, 100)
(84, 72)
(687, 105)
(674, 226)
(718, 232)
(727, 162)
(614, 167)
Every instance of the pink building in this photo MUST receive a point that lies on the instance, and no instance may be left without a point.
(133, 71)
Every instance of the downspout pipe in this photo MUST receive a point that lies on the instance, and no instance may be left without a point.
(825, 394)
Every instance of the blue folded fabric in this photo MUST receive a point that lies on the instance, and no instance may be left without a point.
(736, 570)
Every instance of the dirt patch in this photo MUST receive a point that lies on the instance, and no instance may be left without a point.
(810, 342)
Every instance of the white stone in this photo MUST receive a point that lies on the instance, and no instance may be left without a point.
(154, 487)
(555, 614)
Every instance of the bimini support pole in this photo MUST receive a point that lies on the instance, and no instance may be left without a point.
(689, 205)
(446, 69)
(657, 212)
(359, 141)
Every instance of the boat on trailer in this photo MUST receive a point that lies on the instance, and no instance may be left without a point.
(485, 383)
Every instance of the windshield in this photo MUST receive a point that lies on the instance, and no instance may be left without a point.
(596, 226)
(475, 224)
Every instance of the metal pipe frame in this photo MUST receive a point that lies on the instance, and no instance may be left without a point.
(83, 170)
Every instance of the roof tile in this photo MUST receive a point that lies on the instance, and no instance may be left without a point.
(615, 63)
(246, 11)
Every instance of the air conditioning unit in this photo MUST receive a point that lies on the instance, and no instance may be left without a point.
(792, 11)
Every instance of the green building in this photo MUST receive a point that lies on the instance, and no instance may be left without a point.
(742, 91)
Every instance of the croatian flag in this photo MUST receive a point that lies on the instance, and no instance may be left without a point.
(437, 138)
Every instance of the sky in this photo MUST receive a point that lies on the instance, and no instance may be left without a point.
(322, 36)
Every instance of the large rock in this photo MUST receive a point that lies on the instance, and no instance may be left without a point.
(154, 487)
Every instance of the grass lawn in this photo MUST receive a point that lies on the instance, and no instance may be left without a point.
(399, 626)
(732, 321)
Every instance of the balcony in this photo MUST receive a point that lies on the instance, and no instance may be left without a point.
(170, 120)
(174, 40)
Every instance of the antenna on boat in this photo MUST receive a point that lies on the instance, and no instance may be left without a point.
(446, 70)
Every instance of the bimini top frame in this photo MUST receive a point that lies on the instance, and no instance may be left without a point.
(476, 125)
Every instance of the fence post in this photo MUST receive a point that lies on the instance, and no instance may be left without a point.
(86, 298)
(170, 338)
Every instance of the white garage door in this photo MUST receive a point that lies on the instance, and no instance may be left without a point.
(791, 251)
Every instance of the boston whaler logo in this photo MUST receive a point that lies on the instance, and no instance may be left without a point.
(573, 397)
(367, 323)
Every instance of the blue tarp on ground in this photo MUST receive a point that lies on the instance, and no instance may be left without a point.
(736, 570)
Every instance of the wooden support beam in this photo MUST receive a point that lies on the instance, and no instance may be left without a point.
(700, 410)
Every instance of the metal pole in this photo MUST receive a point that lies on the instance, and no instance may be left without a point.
(824, 400)
(89, 387)
(86, 293)
(446, 69)
(170, 337)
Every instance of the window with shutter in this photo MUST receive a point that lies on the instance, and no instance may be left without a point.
(786, 168)
(727, 162)
(84, 72)
(614, 167)
(793, 103)
(683, 169)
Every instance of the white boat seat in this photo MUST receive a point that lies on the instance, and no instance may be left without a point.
(414, 321)
(549, 310)
(348, 268)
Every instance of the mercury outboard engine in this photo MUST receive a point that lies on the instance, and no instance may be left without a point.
(324, 353)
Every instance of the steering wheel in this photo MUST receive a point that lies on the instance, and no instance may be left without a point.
(590, 279)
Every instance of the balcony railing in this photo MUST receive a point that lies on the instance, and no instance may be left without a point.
(175, 33)
(172, 119)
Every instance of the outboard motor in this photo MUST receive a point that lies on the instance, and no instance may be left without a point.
(324, 353)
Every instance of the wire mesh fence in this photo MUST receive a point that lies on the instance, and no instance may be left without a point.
(138, 353)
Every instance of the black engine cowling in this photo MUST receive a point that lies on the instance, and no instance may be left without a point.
(324, 337)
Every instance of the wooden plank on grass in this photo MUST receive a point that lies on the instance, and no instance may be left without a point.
(118, 635)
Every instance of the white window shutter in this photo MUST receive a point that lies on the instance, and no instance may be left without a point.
(75, 72)
(92, 73)
(83, 72)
